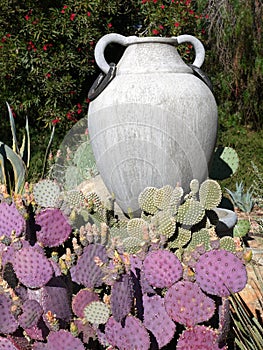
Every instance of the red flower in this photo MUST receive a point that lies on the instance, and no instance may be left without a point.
(55, 121)
(155, 32)
(48, 75)
(109, 25)
(8, 35)
(27, 18)
(191, 12)
(3, 40)
(177, 24)
(45, 47)
(160, 26)
(88, 14)
(155, 1)
(162, 6)
(72, 16)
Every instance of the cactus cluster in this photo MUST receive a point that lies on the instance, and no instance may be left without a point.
(73, 276)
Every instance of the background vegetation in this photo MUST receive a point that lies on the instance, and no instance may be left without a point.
(47, 62)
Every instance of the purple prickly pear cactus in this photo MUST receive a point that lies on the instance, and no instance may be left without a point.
(38, 332)
(8, 323)
(11, 219)
(86, 330)
(220, 272)
(54, 227)
(224, 320)
(6, 344)
(162, 268)
(63, 340)
(121, 297)
(32, 268)
(132, 336)
(157, 320)
(187, 304)
(32, 311)
(39, 346)
(53, 298)
(87, 271)
(199, 337)
(81, 300)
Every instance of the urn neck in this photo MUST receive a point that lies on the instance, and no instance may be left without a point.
(151, 56)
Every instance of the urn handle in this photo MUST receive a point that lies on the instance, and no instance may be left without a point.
(198, 47)
(105, 41)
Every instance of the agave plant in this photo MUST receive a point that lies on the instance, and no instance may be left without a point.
(247, 327)
(18, 157)
(241, 199)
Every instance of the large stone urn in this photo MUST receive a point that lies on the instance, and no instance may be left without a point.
(152, 119)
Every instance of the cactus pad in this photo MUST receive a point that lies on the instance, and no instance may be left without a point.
(97, 312)
(224, 163)
(87, 271)
(210, 194)
(11, 220)
(132, 336)
(219, 272)
(165, 223)
(227, 243)
(6, 344)
(8, 323)
(121, 297)
(32, 268)
(146, 200)
(46, 193)
(157, 320)
(64, 340)
(190, 213)
(162, 268)
(81, 300)
(135, 227)
(241, 228)
(162, 197)
(185, 303)
(199, 337)
(182, 238)
(201, 237)
(32, 312)
(54, 227)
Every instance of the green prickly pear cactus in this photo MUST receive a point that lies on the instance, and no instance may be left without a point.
(224, 163)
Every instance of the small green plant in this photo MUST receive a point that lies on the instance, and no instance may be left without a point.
(241, 199)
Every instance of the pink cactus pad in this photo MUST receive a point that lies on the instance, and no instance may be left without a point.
(8, 323)
(32, 268)
(157, 320)
(220, 272)
(6, 344)
(199, 337)
(81, 300)
(11, 219)
(63, 340)
(187, 304)
(162, 268)
(54, 227)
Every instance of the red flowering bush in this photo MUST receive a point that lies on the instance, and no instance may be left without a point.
(47, 49)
